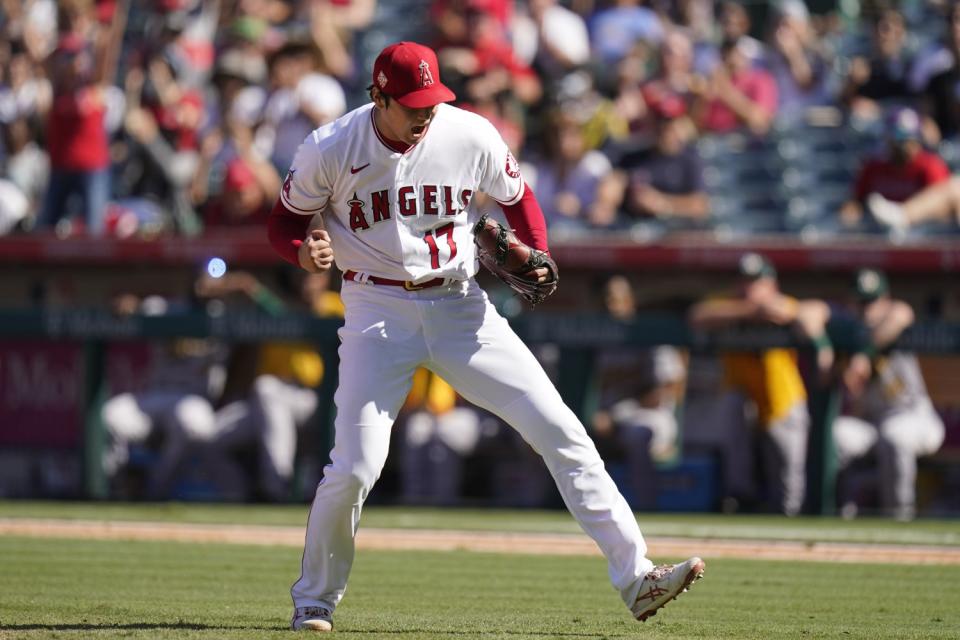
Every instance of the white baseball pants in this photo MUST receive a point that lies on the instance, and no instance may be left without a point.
(456, 332)
(434, 450)
(896, 440)
(184, 419)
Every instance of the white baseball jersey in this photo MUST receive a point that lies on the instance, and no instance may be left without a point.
(405, 216)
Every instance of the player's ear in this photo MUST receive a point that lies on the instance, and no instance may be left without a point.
(379, 98)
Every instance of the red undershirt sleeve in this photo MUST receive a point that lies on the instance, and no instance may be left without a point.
(286, 231)
(526, 219)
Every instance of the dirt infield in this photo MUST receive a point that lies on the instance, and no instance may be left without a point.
(445, 540)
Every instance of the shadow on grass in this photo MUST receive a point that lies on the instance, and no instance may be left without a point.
(463, 632)
(84, 626)
(193, 626)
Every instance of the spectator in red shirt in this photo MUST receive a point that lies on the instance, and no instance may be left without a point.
(737, 94)
(939, 203)
(449, 17)
(904, 171)
(484, 64)
(76, 134)
(673, 82)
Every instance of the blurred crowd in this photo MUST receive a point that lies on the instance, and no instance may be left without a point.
(163, 117)
(174, 116)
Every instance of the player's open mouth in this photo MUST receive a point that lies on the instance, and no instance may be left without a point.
(418, 130)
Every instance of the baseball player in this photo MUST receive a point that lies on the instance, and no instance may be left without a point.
(895, 418)
(770, 378)
(175, 402)
(388, 189)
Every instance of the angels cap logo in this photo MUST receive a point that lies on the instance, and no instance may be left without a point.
(426, 78)
(512, 168)
(382, 79)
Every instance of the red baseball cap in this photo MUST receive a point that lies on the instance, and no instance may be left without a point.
(408, 72)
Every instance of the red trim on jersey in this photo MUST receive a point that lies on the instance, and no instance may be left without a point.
(394, 145)
(291, 207)
(286, 231)
(526, 219)
(515, 199)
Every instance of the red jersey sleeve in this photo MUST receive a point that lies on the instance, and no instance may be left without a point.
(286, 231)
(526, 219)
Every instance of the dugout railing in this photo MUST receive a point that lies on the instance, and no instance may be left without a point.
(578, 336)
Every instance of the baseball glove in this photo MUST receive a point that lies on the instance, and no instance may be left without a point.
(511, 260)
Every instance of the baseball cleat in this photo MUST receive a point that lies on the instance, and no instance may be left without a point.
(664, 583)
(312, 619)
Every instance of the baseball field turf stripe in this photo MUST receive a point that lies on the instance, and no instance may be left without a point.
(480, 541)
(755, 527)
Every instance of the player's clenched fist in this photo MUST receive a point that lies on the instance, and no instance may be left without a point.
(316, 254)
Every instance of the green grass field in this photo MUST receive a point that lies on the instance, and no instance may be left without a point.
(96, 589)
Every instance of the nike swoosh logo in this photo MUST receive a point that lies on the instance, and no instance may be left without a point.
(358, 169)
